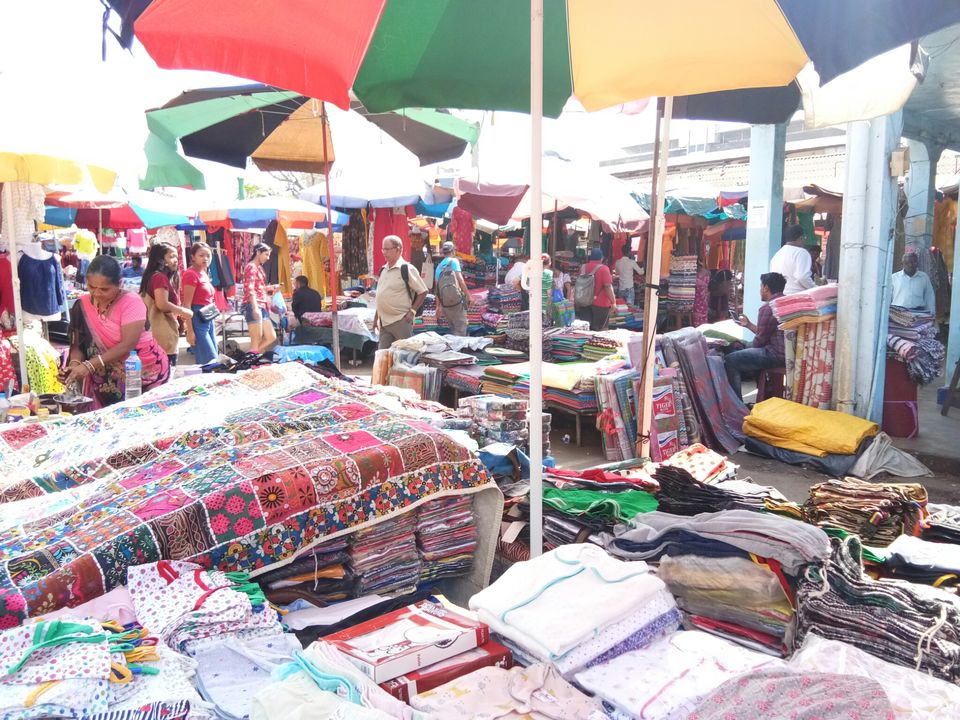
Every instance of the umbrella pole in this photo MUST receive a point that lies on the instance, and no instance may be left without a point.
(651, 297)
(8, 212)
(333, 247)
(534, 416)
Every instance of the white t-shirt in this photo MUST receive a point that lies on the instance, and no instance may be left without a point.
(795, 264)
(626, 267)
(515, 273)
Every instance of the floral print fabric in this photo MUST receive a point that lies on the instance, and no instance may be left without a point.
(265, 483)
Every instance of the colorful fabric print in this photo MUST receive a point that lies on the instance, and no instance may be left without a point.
(233, 512)
(352, 411)
(132, 457)
(134, 548)
(73, 584)
(349, 442)
(19, 436)
(285, 493)
(338, 478)
(417, 451)
(309, 397)
(36, 565)
(161, 503)
(183, 533)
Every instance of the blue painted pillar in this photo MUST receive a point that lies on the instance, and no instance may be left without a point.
(765, 211)
(866, 264)
(921, 190)
(953, 346)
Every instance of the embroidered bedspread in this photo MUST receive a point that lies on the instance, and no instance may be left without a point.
(265, 483)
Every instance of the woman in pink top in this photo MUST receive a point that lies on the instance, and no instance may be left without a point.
(198, 293)
(105, 325)
(256, 301)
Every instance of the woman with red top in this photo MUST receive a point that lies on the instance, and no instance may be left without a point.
(158, 288)
(256, 302)
(198, 293)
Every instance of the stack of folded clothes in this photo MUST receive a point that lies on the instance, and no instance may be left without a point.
(321, 575)
(568, 344)
(576, 607)
(902, 623)
(504, 299)
(815, 305)
(476, 307)
(878, 512)
(913, 337)
(446, 538)
(683, 282)
(682, 494)
(465, 378)
(384, 557)
(599, 346)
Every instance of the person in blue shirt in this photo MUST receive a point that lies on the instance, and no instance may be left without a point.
(135, 270)
(451, 291)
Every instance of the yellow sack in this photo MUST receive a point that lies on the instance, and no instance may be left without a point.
(806, 429)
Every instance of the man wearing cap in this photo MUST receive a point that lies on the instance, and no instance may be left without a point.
(452, 291)
(603, 296)
(400, 293)
(912, 288)
(793, 261)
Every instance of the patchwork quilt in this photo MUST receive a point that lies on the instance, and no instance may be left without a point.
(257, 483)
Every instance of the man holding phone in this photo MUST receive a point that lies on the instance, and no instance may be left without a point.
(767, 351)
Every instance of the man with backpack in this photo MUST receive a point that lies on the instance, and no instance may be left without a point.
(452, 291)
(400, 293)
(593, 292)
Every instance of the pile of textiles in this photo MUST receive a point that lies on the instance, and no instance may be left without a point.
(746, 600)
(600, 345)
(799, 428)
(877, 512)
(425, 380)
(446, 538)
(250, 488)
(910, 625)
(478, 272)
(612, 507)
(503, 379)
(703, 464)
(809, 322)
(682, 282)
(617, 418)
(576, 607)
(739, 533)
(465, 378)
(922, 561)
(321, 575)
(671, 677)
(713, 414)
(317, 319)
(681, 494)
(943, 524)
(567, 345)
(668, 432)
(495, 322)
(815, 305)
(384, 557)
(576, 400)
(504, 299)
(476, 307)
(912, 336)
(448, 359)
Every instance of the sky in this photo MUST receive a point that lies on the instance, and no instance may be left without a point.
(59, 94)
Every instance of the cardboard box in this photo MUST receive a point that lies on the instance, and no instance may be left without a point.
(489, 655)
(408, 639)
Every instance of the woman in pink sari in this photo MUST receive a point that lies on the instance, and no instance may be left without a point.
(105, 325)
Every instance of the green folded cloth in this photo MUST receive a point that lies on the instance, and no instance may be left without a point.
(620, 506)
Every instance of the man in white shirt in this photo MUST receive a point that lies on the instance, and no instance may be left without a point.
(912, 288)
(625, 268)
(793, 262)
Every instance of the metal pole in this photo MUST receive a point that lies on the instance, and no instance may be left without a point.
(651, 299)
(333, 247)
(534, 418)
(8, 212)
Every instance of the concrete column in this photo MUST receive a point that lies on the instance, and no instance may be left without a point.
(921, 191)
(953, 344)
(866, 263)
(765, 212)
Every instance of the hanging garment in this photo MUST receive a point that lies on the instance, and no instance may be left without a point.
(314, 253)
(461, 226)
(6, 285)
(270, 268)
(282, 260)
(137, 240)
(41, 286)
(355, 245)
(28, 209)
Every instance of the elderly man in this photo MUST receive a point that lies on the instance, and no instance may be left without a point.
(400, 293)
(912, 288)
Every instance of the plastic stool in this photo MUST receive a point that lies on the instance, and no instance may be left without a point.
(770, 383)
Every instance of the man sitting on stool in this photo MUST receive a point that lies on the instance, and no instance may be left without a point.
(305, 298)
(767, 351)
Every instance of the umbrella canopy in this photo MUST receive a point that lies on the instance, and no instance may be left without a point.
(357, 187)
(284, 130)
(415, 53)
(260, 212)
(116, 210)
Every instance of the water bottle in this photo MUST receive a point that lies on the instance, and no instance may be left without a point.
(132, 369)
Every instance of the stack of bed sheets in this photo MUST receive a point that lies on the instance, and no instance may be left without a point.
(466, 378)
(568, 344)
(913, 337)
(683, 282)
(600, 346)
(384, 558)
(446, 538)
(504, 299)
(815, 305)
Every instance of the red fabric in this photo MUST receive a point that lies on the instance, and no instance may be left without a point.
(255, 285)
(122, 218)
(387, 221)
(267, 42)
(461, 225)
(6, 285)
(7, 371)
(203, 294)
(160, 281)
(601, 278)
(496, 203)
